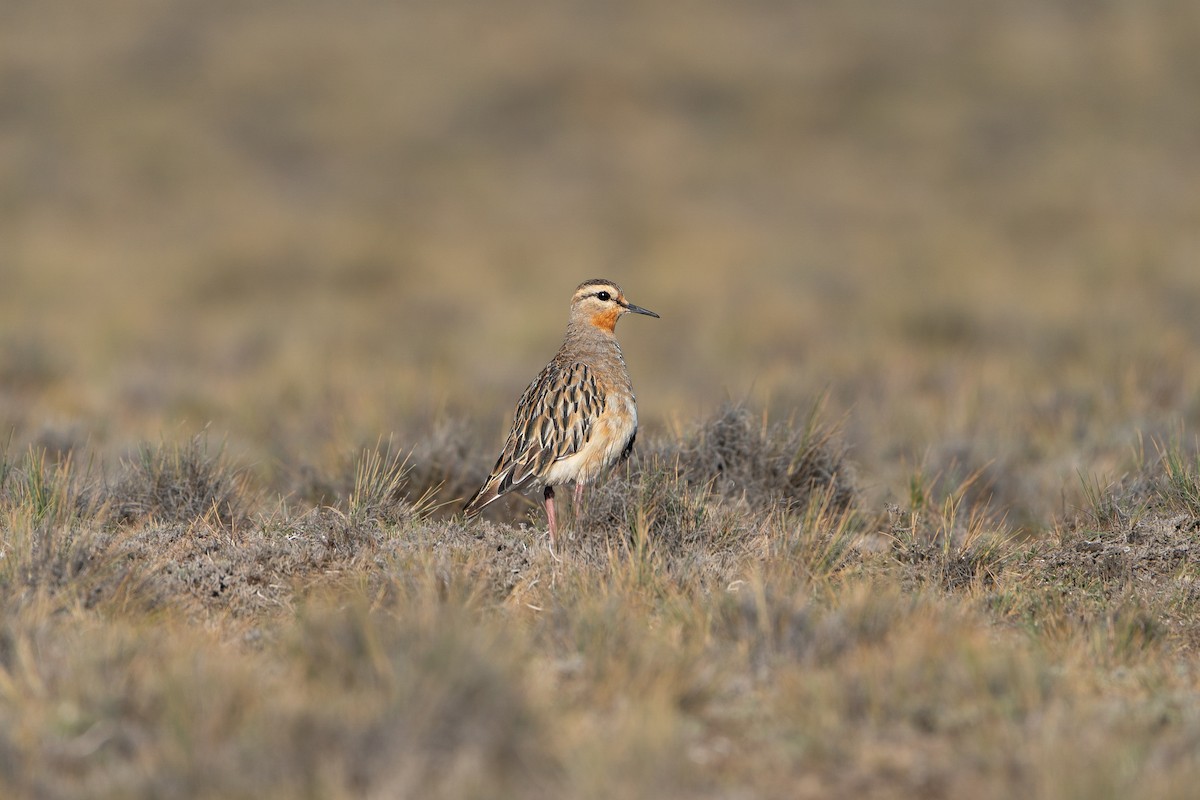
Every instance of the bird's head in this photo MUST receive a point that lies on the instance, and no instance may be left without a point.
(600, 303)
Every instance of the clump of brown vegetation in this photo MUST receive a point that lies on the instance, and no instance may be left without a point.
(178, 484)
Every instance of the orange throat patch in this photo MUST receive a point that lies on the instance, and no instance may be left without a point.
(607, 320)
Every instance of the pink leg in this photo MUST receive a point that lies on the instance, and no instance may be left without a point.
(549, 496)
(578, 499)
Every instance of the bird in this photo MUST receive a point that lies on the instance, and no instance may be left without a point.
(578, 417)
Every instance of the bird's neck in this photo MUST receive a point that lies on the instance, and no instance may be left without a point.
(586, 330)
(593, 343)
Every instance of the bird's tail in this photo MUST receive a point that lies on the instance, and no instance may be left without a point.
(486, 495)
(504, 479)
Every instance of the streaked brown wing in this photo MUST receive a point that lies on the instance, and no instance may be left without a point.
(554, 420)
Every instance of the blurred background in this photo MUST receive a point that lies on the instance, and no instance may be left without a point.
(974, 228)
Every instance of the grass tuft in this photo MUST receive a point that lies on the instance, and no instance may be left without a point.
(948, 540)
(768, 465)
(180, 484)
(381, 489)
(1181, 473)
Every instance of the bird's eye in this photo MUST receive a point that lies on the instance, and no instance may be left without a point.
(604, 296)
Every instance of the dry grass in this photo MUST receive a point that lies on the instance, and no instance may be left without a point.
(271, 277)
(691, 641)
